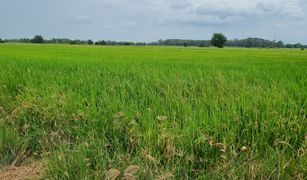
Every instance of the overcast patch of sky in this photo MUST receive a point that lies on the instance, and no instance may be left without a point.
(147, 20)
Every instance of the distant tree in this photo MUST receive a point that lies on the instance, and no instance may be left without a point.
(90, 42)
(103, 42)
(289, 46)
(185, 44)
(160, 42)
(218, 40)
(298, 45)
(140, 44)
(37, 39)
(73, 42)
(280, 44)
(1, 41)
(127, 43)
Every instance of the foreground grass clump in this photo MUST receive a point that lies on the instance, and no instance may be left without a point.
(154, 112)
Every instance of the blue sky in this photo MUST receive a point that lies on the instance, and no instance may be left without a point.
(150, 20)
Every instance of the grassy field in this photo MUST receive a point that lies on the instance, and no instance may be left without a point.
(92, 112)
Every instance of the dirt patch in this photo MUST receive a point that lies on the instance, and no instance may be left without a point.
(29, 171)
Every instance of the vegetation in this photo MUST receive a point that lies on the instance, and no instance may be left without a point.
(90, 42)
(154, 112)
(248, 43)
(218, 40)
(37, 39)
(121, 43)
(255, 42)
(182, 42)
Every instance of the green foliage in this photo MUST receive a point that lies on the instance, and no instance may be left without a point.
(101, 42)
(182, 42)
(121, 43)
(218, 40)
(37, 39)
(90, 42)
(8, 144)
(175, 112)
(298, 45)
(249, 42)
(280, 44)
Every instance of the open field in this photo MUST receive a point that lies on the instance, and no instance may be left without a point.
(173, 112)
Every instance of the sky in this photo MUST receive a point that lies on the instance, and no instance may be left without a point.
(150, 20)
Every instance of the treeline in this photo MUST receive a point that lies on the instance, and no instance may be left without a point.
(248, 43)
(182, 42)
(121, 43)
(40, 40)
(262, 43)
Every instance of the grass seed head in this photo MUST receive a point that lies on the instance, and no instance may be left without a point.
(112, 174)
(220, 145)
(131, 170)
(150, 158)
(161, 118)
(243, 148)
(129, 177)
(165, 176)
(25, 127)
(119, 115)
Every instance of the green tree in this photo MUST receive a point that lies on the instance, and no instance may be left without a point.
(297, 45)
(37, 39)
(218, 40)
(289, 46)
(280, 44)
(103, 42)
(1, 41)
(90, 42)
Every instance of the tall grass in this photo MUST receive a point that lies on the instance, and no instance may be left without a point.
(172, 113)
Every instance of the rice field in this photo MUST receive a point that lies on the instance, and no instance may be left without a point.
(113, 112)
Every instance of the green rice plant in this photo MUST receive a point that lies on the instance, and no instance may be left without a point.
(94, 112)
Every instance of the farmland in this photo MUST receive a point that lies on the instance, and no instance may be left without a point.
(162, 112)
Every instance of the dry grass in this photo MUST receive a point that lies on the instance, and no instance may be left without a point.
(112, 174)
(29, 171)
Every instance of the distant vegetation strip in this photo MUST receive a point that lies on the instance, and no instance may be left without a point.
(248, 42)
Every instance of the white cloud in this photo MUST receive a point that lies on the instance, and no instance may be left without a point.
(226, 11)
(196, 11)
